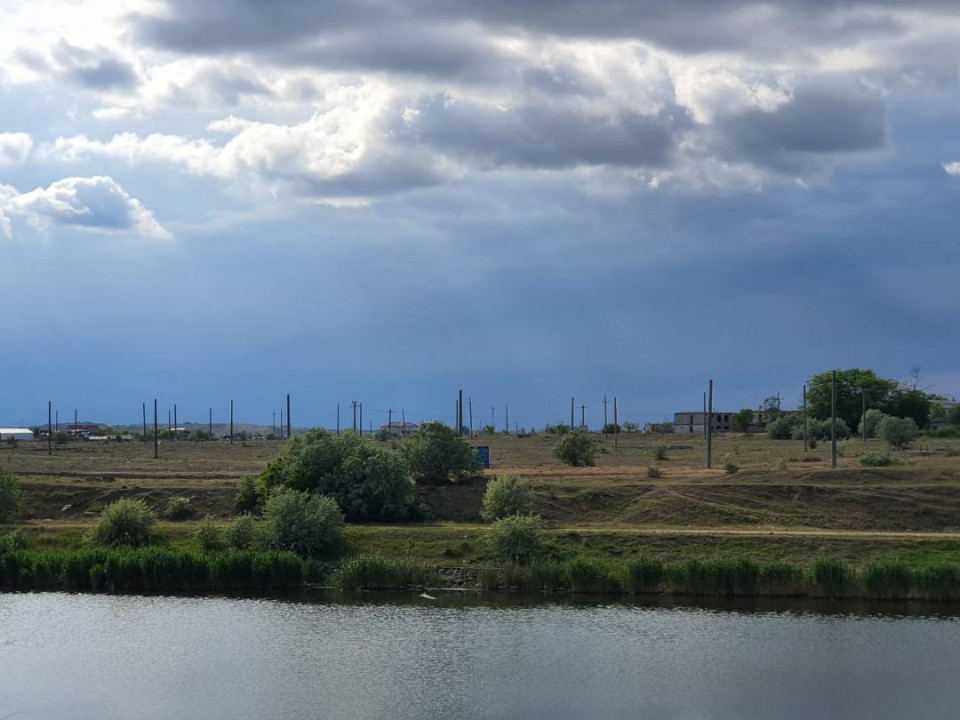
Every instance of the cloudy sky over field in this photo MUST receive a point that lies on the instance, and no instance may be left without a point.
(389, 199)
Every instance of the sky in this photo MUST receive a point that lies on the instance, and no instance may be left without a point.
(390, 200)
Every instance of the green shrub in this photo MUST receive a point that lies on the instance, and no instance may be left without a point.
(208, 535)
(832, 578)
(729, 466)
(871, 420)
(888, 580)
(660, 451)
(437, 454)
(368, 481)
(302, 523)
(877, 460)
(783, 427)
(558, 429)
(576, 449)
(243, 533)
(11, 496)
(654, 472)
(375, 572)
(517, 539)
(248, 498)
(820, 430)
(812, 442)
(506, 495)
(641, 575)
(125, 522)
(897, 431)
(178, 508)
(591, 575)
(939, 582)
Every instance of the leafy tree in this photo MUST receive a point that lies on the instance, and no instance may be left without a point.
(518, 539)
(306, 524)
(489, 430)
(630, 427)
(820, 430)
(208, 535)
(914, 404)
(242, 533)
(577, 449)
(506, 495)
(436, 454)
(742, 420)
(771, 408)
(200, 435)
(248, 498)
(558, 429)
(10, 496)
(897, 431)
(126, 522)
(368, 481)
(852, 384)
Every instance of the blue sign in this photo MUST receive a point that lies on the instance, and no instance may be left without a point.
(483, 454)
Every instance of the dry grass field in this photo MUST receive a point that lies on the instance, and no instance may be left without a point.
(782, 503)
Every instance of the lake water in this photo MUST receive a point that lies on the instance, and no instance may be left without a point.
(103, 657)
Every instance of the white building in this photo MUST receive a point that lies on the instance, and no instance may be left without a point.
(16, 433)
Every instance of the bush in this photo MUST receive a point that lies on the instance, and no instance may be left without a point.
(576, 449)
(178, 508)
(518, 539)
(302, 523)
(368, 481)
(899, 432)
(654, 472)
(126, 522)
(558, 429)
(248, 499)
(11, 497)
(871, 420)
(242, 533)
(876, 460)
(820, 430)
(782, 428)
(506, 495)
(208, 535)
(436, 454)
(660, 451)
(729, 466)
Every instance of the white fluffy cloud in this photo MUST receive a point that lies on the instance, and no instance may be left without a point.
(952, 168)
(89, 203)
(14, 148)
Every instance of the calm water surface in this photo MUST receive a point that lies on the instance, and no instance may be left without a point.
(103, 657)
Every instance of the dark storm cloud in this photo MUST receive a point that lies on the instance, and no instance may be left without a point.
(92, 69)
(543, 135)
(817, 121)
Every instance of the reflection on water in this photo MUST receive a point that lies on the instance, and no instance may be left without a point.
(467, 656)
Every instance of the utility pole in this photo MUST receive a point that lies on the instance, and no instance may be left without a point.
(605, 401)
(354, 415)
(616, 423)
(390, 420)
(583, 416)
(805, 441)
(572, 410)
(231, 422)
(289, 425)
(49, 428)
(710, 426)
(156, 432)
(144, 422)
(470, 405)
(833, 421)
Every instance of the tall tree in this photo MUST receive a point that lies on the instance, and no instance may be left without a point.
(852, 385)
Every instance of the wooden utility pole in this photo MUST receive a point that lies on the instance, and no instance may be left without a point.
(354, 415)
(806, 443)
(390, 420)
(156, 432)
(833, 421)
(583, 416)
(144, 421)
(231, 422)
(616, 423)
(573, 408)
(49, 427)
(710, 426)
